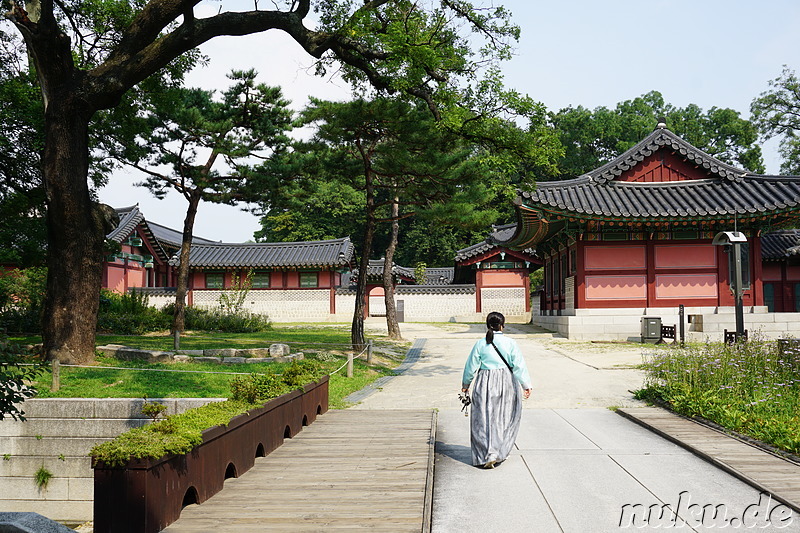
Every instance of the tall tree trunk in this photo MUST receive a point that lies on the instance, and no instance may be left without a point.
(357, 338)
(76, 229)
(392, 325)
(181, 287)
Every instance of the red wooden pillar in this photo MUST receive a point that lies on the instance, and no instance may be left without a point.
(580, 275)
(755, 265)
(650, 265)
(478, 286)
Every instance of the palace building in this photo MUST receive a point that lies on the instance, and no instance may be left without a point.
(633, 239)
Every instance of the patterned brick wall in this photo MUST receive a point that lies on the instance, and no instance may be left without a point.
(437, 307)
(509, 301)
(569, 295)
(278, 305)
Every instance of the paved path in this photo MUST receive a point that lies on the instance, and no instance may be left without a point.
(577, 467)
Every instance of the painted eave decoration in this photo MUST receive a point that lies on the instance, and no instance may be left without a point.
(662, 183)
(494, 243)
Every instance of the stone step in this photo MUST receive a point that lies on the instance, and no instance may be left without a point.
(53, 446)
(105, 407)
(27, 465)
(69, 427)
(58, 488)
(64, 511)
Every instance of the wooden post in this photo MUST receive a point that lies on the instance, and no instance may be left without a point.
(369, 352)
(350, 365)
(56, 376)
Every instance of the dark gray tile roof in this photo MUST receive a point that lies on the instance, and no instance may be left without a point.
(433, 276)
(663, 138)
(307, 254)
(129, 218)
(438, 276)
(173, 238)
(747, 195)
(779, 245)
(401, 290)
(499, 234)
(728, 191)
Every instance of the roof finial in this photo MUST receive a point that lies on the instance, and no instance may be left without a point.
(662, 123)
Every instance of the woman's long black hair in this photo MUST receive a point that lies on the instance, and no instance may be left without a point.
(494, 321)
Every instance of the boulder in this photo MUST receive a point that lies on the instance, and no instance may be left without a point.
(277, 350)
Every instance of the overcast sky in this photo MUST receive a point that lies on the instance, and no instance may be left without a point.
(581, 52)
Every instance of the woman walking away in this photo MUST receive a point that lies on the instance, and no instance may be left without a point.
(496, 399)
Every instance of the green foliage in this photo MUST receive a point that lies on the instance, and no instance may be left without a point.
(300, 372)
(153, 410)
(260, 387)
(593, 137)
(129, 314)
(751, 388)
(42, 477)
(257, 387)
(231, 299)
(21, 298)
(776, 112)
(217, 320)
(177, 434)
(419, 272)
(18, 367)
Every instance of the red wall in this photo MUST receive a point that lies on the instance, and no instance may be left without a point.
(652, 273)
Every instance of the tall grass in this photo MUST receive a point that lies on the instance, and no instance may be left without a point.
(752, 388)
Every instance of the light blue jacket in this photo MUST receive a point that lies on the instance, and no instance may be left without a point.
(484, 355)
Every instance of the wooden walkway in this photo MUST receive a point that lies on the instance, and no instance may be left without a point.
(757, 467)
(350, 470)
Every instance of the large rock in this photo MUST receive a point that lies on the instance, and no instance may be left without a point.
(278, 350)
(253, 352)
(30, 523)
(220, 352)
(126, 353)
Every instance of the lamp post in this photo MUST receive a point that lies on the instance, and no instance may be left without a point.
(734, 239)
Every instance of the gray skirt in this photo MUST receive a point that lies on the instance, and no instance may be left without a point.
(495, 417)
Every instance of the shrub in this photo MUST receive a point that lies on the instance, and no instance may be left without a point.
(21, 298)
(257, 387)
(17, 368)
(129, 314)
(218, 320)
(752, 387)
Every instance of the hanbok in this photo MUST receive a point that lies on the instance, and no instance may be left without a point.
(496, 398)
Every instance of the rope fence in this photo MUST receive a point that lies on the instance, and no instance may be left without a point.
(56, 367)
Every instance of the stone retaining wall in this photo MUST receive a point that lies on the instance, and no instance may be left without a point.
(58, 435)
(701, 323)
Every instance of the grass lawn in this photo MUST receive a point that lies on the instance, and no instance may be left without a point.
(327, 345)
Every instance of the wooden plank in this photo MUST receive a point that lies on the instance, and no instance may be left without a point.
(349, 471)
(758, 467)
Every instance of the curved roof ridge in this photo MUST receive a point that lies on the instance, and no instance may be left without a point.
(279, 243)
(662, 137)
